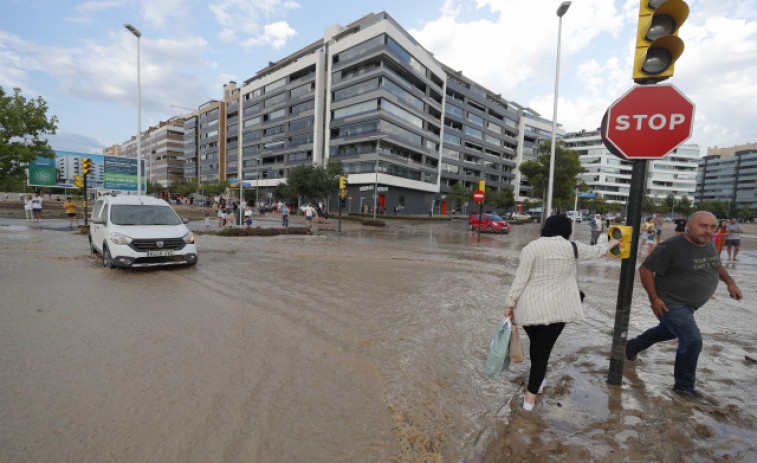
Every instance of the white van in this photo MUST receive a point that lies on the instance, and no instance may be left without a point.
(140, 231)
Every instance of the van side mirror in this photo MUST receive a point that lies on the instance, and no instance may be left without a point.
(185, 220)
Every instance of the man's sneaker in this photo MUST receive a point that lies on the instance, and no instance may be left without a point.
(691, 395)
(630, 356)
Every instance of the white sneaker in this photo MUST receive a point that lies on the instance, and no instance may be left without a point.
(527, 406)
(541, 388)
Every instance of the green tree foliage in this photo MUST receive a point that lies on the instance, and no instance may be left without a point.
(567, 168)
(503, 199)
(717, 207)
(684, 206)
(215, 188)
(650, 205)
(744, 212)
(310, 182)
(183, 188)
(458, 195)
(23, 126)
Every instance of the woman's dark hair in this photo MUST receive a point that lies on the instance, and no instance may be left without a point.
(557, 225)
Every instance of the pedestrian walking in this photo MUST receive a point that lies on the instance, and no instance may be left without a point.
(720, 236)
(28, 208)
(733, 240)
(284, 215)
(680, 276)
(37, 207)
(309, 211)
(648, 233)
(70, 208)
(544, 294)
(221, 215)
(248, 215)
(658, 222)
(680, 224)
(597, 227)
(207, 221)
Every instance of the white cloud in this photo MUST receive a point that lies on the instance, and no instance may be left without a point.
(243, 21)
(87, 9)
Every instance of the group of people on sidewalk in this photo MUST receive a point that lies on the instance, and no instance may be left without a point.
(679, 276)
(33, 209)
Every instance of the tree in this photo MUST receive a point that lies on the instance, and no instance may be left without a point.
(567, 168)
(717, 207)
(744, 212)
(684, 206)
(216, 188)
(183, 188)
(502, 199)
(458, 195)
(309, 182)
(23, 124)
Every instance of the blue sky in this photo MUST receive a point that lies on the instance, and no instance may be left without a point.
(80, 58)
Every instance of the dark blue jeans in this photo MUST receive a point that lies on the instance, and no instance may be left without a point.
(677, 322)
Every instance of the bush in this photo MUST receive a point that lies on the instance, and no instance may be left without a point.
(373, 223)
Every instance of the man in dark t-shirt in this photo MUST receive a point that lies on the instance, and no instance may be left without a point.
(680, 225)
(680, 276)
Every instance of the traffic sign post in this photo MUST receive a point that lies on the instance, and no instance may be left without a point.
(646, 123)
(479, 196)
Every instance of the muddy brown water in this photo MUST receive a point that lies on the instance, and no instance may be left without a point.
(365, 346)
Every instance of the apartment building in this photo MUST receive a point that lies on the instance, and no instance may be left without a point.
(162, 152)
(370, 96)
(611, 176)
(730, 177)
(533, 130)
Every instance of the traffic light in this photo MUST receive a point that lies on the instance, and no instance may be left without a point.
(657, 43)
(342, 183)
(344, 194)
(86, 166)
(623, 233)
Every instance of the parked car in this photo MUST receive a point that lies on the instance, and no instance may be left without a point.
(489, 222)
(140, 231)
(520, 216)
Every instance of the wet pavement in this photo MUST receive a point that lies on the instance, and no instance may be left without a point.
(361, 346)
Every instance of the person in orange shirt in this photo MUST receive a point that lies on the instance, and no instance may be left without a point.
(70, 208)
(720, 236)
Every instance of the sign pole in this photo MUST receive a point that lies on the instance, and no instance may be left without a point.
(480, 217)
(85, 200)
(627, 273)
(339, 220)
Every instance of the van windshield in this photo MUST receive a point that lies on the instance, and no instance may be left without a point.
(143, 215)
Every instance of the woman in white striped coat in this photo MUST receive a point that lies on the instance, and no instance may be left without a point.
(544, 295)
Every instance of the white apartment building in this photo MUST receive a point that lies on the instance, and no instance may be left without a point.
(610, 175)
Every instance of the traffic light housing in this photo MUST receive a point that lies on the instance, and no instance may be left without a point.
(342, 182)
(86, 166)
(657, 43)
(623, 233)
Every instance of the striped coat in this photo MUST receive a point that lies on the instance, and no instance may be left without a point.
(544, 290)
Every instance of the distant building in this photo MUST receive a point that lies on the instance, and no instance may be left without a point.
(533, 130)
(370, 96)
(68, 166)
(162, 152)
(611, 176)
(730, 177)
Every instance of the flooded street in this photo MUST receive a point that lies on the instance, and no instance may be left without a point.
(363, 346)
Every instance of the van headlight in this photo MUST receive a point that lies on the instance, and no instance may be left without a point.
(119, 239)
(189, 238)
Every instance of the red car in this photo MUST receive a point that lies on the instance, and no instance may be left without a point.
(489, 222)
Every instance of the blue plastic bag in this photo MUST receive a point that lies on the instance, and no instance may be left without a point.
(499, 350)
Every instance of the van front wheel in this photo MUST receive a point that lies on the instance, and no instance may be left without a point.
(107, 258)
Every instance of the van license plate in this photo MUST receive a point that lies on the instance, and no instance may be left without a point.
(159, 253)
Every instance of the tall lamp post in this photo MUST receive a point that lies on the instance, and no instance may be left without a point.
(548, 209)
(138, 34)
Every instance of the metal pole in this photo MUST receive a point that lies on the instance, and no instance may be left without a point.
(573, 220)
(627, 272)
(550, 187)
(138, 35)
(375, 184)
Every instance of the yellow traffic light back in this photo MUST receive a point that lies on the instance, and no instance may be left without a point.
(657, 43)
(342, 183)
(86, 166)
(623, 233)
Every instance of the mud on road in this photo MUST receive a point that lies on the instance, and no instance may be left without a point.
(362, 346)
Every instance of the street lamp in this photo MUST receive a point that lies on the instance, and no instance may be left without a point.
(548, 209)
(138, 34)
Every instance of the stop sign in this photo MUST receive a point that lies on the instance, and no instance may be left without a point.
(648, 122)
(478, 195)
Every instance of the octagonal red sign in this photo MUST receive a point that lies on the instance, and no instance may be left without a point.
(648, 122)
